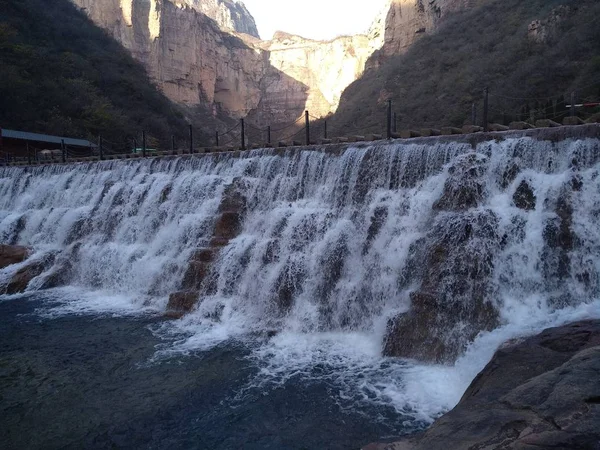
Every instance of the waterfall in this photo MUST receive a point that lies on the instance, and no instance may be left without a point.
(441, 241)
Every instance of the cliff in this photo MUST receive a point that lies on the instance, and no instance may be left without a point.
(402, 22)
(230, 15)
(206, 52)
(539, 52)
(192, 52)
(62, 75)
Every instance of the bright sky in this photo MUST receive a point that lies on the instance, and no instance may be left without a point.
(314, 19)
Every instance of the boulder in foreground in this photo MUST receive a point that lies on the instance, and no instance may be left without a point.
(540, 393)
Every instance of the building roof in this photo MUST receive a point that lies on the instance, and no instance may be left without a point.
(35, 137)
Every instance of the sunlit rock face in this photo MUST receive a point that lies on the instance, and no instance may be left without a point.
(231, 15)
(402, 22)
(207, 52)
(323, 69)
(192, 52)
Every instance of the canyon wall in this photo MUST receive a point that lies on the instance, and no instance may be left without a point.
(402, 22)
(208, 52)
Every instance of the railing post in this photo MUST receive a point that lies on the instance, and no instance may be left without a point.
(243, 133)
(486, 93)
(62, 146)
(573, 104)
(325, 130)
(269, 135)
(100, 147)
(28, 153)
(191, 139)
(307, 127)
(172, 145)
(135, 146)
(143, 144)
(389, 119)
(217, 138)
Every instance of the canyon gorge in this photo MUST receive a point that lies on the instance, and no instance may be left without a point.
(208, 53)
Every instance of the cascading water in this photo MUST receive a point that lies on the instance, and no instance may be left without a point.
(335, 245)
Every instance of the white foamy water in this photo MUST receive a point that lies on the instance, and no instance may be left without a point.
(328, 253)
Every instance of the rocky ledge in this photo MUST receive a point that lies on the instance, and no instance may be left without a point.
(542, 392)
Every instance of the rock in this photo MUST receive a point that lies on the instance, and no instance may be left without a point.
(446, 131)
(208, 53)
(574, 120)
(12, 254)
(427, 132)
(546, 123)
(20, 280)
(497, 127)
(560, 240)
(520, 126)
(228, 226)
(510, 173)
(196, 279)
(524, 198)
(407, 134)
(541, 392)
(181, 303)
(195, 275)
(471, 129)
(465, 187)
(455, 301)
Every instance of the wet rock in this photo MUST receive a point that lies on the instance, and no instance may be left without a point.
(560, 241)
(233, 199)
(289, 285)
(60, 276)
(524, 198)
(12, 254)
(20, 280)
(510, 174)
(540, 392)
(197, 279)
(195, 275)
(455, 301)
(378, 219)
(206, 255)
(465, 186)
(181, 303)
(228, 225)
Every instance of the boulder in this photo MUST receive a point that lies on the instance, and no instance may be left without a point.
(12, 254)
(540, 392)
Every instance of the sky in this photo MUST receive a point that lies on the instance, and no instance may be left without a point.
(314, 19)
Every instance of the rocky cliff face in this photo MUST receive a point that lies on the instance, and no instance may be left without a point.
(195, 60)
(230, 15)
(207, 52)
(402, 22)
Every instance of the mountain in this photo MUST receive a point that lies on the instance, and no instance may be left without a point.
(531, 54)
(63, 75)
(196, 56)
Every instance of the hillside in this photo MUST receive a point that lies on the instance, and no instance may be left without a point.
(528, 68)
(63, 75)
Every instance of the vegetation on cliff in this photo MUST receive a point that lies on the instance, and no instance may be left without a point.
(62, 75)
(443, 74)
